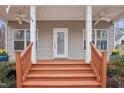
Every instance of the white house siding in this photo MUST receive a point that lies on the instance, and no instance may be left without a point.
(118, 42)
(10, 46)
(110, 40)
(75, 37)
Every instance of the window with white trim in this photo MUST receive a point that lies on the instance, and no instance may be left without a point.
(22, 38)
(99, 38)
(122, 42)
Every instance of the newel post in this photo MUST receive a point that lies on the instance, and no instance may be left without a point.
(104, 70)
(18, 70)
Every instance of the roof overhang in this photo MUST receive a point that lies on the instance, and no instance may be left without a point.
(63, 12)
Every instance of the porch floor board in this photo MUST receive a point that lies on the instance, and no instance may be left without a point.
(61, 61)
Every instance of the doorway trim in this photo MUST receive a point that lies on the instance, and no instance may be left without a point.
(66, 42)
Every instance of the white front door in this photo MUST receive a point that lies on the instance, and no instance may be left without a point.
(60, 42)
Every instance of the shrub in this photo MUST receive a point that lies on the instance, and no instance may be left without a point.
(116, 74)
(3, 52)
(115, 52)
(115, 58)
(4, 68)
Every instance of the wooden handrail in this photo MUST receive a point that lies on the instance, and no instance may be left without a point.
(96, 50)
(23, 63)
(26, 50)
(98, 63)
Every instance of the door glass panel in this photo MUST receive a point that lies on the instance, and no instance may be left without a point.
(60, 43)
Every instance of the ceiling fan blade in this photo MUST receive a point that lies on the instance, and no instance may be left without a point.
(21, 15)
(106, 19)
(26, 20)
(19, 20)
(97, 21)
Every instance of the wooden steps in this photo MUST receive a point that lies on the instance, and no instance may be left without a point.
(60, 74)
(59, 84)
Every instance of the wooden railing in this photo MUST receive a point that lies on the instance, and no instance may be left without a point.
(98, 63)
(23, 63)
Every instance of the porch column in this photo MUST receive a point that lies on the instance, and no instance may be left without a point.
(6, 37)
(33, 32)
(88, 32)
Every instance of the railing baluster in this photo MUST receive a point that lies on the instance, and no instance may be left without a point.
(98, 62)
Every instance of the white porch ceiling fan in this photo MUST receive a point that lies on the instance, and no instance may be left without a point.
(22, 17)
(103, 16)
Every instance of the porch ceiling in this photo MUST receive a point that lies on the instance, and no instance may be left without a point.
(71, 12)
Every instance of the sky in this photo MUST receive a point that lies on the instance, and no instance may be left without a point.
(120, 24)
(1, 22)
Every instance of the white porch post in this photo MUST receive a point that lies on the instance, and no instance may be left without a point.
(88, 32)
(33, 32)
(6, 37)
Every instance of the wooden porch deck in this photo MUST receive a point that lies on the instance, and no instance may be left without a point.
(60, 61)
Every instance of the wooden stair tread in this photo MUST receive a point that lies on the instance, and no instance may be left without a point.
(59, 66)
(62, 68)
(62, 75)
(59, 71)
(60, 83)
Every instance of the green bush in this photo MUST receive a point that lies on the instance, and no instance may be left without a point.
(117, 73)
(111, 72)
(115, 58)
(4, 68)
(115, 52)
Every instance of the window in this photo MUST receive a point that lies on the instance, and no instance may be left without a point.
(21, 38)
(99, 38)
(84, 36)
(122, 42)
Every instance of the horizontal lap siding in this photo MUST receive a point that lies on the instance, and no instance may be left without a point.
(110, 40)
(10, 46)
(44, 41)
(76, 43)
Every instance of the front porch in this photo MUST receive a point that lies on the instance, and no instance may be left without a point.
(65, 66)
